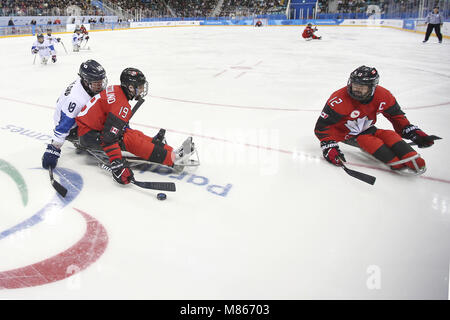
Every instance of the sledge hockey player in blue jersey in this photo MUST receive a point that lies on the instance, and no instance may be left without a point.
(77, 38)
(92, 81)
(44, 48)
(51, 39)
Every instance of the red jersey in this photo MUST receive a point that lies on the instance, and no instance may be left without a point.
(93, 115)
(308, 32)
(344, 118)
(83, 30)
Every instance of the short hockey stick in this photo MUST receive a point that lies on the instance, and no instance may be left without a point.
(64, 47)
(162, 186)
(432, 137)
(359, 175)
(85, 44)
(58, 187)
(136, 107)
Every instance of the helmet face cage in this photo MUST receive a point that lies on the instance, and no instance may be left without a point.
(363, 76)
(40, 37)
(96, 87)
(142, 93)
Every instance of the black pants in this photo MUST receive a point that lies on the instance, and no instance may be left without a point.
(437, 29)
(91, 140)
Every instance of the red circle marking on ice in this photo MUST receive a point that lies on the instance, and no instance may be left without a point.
(78, 257)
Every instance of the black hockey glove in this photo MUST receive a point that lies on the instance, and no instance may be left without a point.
(34, 51)
(50, 157)
(58, 39)
(54, 59)
(332, 153)
(160, 138)
(418, 136)
(121, 172)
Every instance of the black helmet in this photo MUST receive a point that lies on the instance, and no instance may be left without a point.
(91, 71)
(135, 78)
(364, 76)
(310, 24)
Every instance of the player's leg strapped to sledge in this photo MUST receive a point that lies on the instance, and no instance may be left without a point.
(154, 150)
(388, 147)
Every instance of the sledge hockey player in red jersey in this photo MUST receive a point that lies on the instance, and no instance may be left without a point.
(103, 124)
(308, 33)
(83, 30)
(350, 115)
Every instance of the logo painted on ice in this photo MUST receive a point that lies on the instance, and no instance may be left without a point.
(26, 132)
(65, 264)
(218, 190)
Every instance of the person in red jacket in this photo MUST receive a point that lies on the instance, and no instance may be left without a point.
(84, 33)
(308, 33)
(350, 115)
(103, 124)
(83, 30)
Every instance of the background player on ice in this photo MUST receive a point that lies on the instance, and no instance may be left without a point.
(44, 48)
(77, 38)
(83, 30)
(350, 115)
(51, 39)
(308, 33)
(103, 125)
(92, 80)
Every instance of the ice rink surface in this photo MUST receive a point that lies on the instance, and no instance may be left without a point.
(264, 216)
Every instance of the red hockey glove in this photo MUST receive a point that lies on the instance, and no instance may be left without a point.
(332, 153)
(121, 172)
(418, 136)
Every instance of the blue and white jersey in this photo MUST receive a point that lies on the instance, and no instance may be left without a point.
(50, 39)
(77, 38)
(45, 48)
(68, 106)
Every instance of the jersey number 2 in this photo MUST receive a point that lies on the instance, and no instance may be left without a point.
(334, 101)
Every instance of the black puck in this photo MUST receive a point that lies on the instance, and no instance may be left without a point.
(161, 196)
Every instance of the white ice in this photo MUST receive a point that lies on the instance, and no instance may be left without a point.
(291, 226)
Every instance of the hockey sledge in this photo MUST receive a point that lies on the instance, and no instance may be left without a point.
(133, 161)
(406, 171)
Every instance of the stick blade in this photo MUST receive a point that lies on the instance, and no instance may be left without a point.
(59, 188)
(162, 186)
(360, 176)
(56, 185)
